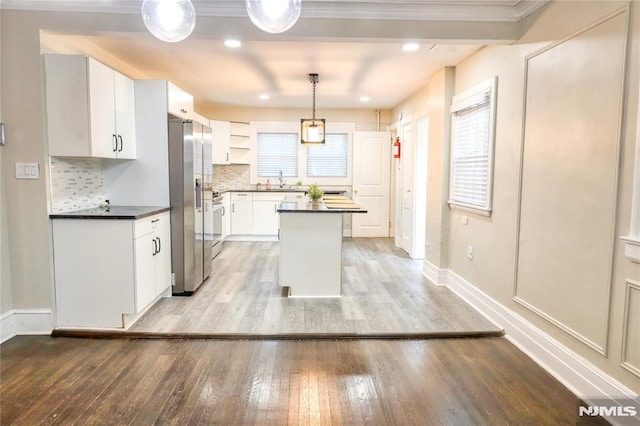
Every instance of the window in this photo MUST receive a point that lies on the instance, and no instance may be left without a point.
(330, 159)
(473, 122)
(277, 152)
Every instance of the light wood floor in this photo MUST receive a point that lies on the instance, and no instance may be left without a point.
(241, 382)
(384, 293)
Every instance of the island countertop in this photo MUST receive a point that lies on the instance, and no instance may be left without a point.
(111, 212)
(303, 206)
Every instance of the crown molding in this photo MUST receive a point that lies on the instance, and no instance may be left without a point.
(420, 10)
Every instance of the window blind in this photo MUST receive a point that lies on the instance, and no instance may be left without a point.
(277, 152)
(470, 154)
(330, 159)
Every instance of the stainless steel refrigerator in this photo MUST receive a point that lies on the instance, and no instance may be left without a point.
(189, 175)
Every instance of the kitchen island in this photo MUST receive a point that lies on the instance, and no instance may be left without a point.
(311, 246)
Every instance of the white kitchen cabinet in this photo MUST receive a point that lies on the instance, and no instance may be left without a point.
(108, 270)
(180, 102)
(90, 109)
(265, 212)
(226, 214)
(221, 136)
(153, 258)
(241, 213)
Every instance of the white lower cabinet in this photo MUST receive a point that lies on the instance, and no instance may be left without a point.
(241, 213)
(265, 213)
(226, 214)
(153, 258)
(256, 213)
(108, 270)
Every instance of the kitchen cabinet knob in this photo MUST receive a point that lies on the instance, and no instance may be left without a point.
(233, 208)
(121, 145)
(155, 247)
(355, 191)
(115, 142)
(159, 244)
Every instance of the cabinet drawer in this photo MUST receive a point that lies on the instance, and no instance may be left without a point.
(235, 196)
(149, 224)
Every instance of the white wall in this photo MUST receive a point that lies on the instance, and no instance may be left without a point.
(494, 239)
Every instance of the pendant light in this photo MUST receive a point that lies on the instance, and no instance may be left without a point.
(169, 20)
(274, 16)
(312, 129)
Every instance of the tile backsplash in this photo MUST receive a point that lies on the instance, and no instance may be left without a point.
(235, 176)
(76, 183)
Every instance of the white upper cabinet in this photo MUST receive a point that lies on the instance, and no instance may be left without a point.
(221, 136)
(90, 109)
(180, 102)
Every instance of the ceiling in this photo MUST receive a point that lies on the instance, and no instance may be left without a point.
(354, 46)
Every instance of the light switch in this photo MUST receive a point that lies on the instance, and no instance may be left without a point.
(27, 171)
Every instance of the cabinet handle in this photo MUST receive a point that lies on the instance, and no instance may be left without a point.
(227, 156)
(275, 208)
(159, 245)
(115, 142)
(155, 220)
(155, 247)
(121, 145)
(278, 234)
(233, 208)
(224, 211)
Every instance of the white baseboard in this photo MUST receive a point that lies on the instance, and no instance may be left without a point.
(584, 379)
(25, 322)
(434, 274)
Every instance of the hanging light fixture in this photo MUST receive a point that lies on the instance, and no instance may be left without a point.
(169, 20)
(274, 16)
(312, 129)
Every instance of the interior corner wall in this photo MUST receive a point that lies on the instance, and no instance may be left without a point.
(435, 100)
(495, 239)
(6, 295)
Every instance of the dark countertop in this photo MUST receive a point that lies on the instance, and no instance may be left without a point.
(306, 207)
(337, 191)
(111, 212)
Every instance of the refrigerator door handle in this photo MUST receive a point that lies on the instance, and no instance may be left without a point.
(198, 194)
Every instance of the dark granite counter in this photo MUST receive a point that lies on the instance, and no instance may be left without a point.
(288, 206)
(112, 212)
(303, 191)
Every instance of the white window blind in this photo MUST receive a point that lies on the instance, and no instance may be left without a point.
(330, 159)
(277, 152)
(472, 149)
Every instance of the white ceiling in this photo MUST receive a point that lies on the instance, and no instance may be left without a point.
(354, 46)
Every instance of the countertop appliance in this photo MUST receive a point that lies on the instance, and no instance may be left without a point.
(190, 172)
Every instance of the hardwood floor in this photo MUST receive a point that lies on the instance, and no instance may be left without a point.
(379, 382)
(384, 294)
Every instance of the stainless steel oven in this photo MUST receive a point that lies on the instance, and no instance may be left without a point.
(218, 213)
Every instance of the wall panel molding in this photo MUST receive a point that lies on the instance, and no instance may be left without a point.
(630, 359)
(569, 173)
(584, 379)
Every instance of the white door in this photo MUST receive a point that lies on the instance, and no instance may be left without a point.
(371, 176)
(406, 187)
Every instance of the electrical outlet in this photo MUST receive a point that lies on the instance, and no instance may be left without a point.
(465, 220)
(469, 252)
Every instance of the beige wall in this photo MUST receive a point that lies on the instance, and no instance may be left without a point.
(494, 238)
(6, 298)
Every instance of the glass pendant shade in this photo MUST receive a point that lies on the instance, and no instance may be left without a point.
(312, 131)
(274, 16)
(169, 20)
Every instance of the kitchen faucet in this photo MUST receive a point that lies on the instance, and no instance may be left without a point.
(280, 179)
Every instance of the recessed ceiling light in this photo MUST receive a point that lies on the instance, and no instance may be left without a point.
(264, 97)
(365, 98)
(410, 47)
(232, 43)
